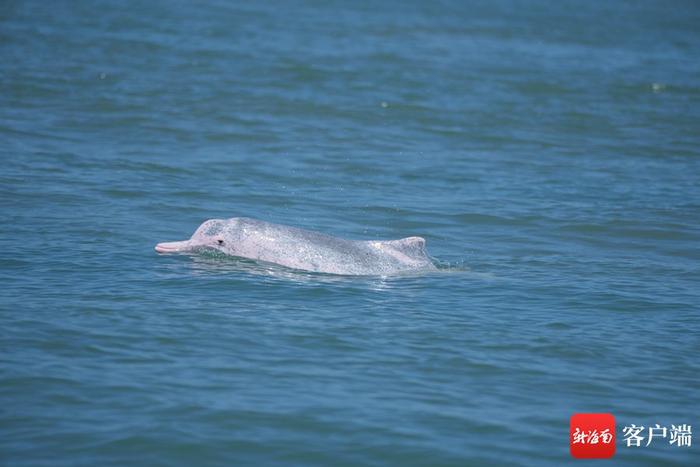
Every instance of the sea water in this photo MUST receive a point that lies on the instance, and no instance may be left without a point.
(547, 151)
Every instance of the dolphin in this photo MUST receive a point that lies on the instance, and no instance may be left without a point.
(304, 249)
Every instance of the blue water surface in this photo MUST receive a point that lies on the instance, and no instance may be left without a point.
(547, 151)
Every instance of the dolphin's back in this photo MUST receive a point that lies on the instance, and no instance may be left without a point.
(305, 249)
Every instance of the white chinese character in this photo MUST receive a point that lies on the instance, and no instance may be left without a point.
(681, 435)
(631, 434)
(580, 436)
(594, 437)
(606, 436)
(653, 434)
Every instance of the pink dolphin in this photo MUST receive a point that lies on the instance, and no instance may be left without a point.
(304, 249)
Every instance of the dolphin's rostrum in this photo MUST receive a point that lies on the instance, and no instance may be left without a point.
(303, 249)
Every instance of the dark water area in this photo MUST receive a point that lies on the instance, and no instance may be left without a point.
(547, 152)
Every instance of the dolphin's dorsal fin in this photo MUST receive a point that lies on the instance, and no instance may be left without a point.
(410, 246)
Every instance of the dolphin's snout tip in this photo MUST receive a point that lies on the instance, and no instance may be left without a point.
(161, 249)
(171, 247)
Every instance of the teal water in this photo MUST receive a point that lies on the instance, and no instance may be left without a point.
(547, 151)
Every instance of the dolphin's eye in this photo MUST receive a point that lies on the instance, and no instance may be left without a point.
(220, 242)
